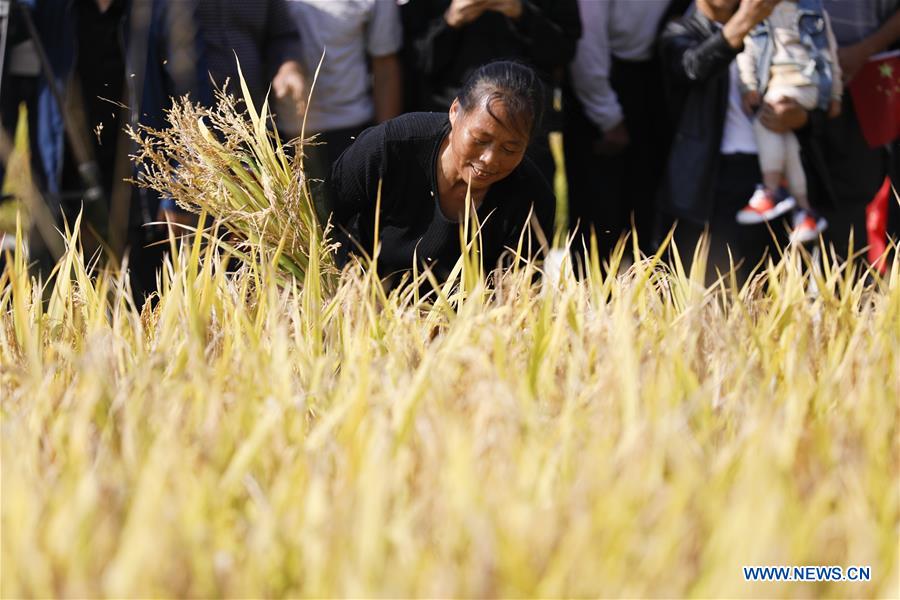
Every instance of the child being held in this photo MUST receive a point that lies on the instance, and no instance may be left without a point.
(792, 54)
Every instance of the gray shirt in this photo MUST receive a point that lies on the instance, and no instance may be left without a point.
(348, 31)
(854, 20)
(624, 29)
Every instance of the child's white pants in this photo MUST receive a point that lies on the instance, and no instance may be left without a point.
(780, 153)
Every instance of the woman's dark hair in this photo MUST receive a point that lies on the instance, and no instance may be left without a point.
(513, 84)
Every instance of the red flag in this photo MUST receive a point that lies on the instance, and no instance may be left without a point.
(876, 225)
(876, 95)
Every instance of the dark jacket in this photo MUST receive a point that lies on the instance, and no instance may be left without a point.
(159, 66)
(696, 59)
(442, 58)
(262, 33)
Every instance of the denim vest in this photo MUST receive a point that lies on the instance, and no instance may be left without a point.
(813, 34)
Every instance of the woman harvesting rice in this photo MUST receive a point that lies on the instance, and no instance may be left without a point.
(427, 163)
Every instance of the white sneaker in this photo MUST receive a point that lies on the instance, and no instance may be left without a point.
(765, 206)
(807, 227)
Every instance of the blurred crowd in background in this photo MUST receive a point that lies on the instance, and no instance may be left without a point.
(643, 143)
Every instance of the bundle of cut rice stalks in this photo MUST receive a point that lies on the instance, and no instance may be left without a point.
(228, 163)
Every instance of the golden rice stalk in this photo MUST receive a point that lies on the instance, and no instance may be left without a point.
(230, 163)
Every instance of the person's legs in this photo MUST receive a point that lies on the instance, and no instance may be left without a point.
(772, 148)
(737, 177)
(687, 235)
(607, 192)
(639, 88)
(767, 201)
(796, 175)
(590, 199)
(611, 212)
(808, 224)
(807, 96)
(843, 222)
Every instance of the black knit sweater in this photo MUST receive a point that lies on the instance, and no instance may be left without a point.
(403, 154)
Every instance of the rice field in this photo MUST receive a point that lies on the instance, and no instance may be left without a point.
(288, 430)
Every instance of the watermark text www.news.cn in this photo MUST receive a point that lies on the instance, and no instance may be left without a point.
(807, 573)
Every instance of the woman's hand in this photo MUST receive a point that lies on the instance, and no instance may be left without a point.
(783, 115)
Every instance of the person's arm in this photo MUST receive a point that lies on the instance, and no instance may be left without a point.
(384, 37)
(387, 87)
(591, 67)
(290, 82)
(550, 33)
(282, 51)
(747, 62)
(688, 61)
(853, 57)
(590, 77)
(749, 14)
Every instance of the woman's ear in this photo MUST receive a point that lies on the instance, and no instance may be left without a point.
(454, 112)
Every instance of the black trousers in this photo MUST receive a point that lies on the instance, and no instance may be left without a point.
(843, 175)
(842, 222)
(606, 192)
(737, 178)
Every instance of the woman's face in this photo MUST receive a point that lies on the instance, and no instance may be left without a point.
(484, 150)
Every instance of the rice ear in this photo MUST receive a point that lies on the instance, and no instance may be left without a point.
(231, 163)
